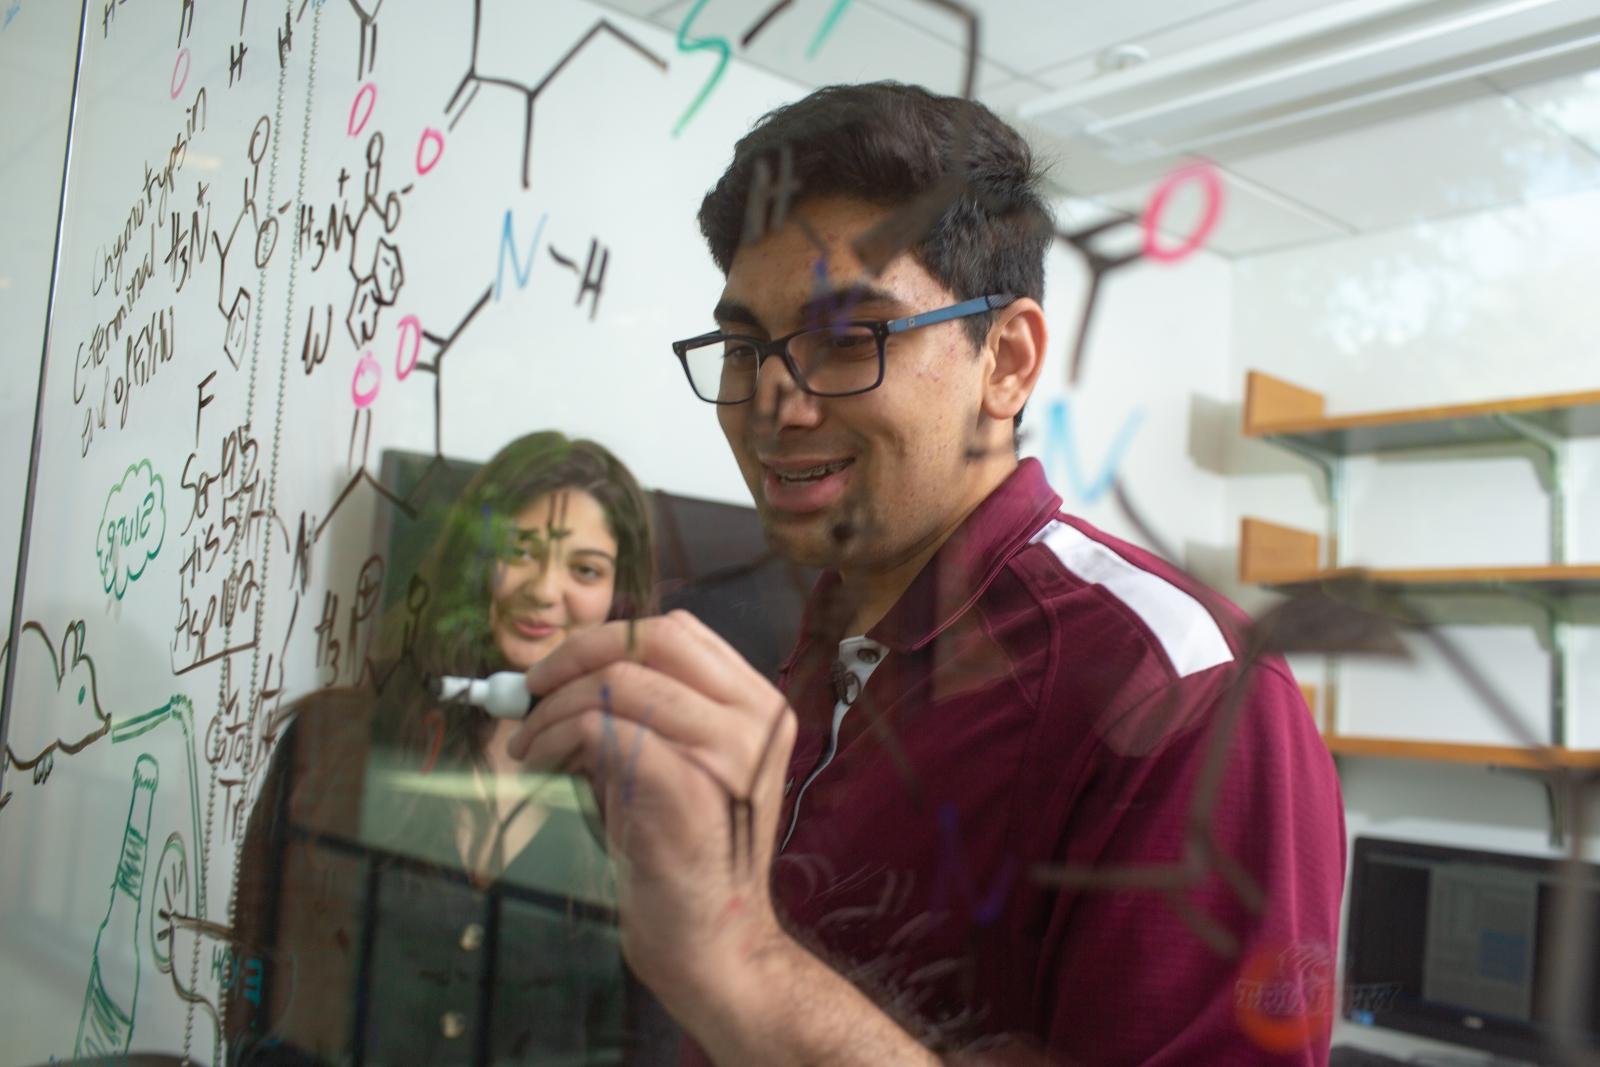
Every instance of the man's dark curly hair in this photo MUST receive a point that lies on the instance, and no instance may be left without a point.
(888, 143)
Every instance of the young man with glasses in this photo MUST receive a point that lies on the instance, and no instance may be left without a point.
(1022, 797)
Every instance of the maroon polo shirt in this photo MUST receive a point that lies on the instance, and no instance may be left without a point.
(1046, 806)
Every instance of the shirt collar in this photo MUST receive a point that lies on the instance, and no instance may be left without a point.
(958, 572)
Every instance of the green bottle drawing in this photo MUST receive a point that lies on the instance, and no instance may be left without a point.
(106, 1026)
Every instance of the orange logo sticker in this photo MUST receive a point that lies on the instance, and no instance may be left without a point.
(1284, 996)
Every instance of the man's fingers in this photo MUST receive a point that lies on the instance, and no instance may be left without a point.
(636, 693)
(624, 696)
(676, 644)
(615, 754)
(562, 748)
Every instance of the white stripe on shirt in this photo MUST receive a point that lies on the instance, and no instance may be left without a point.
(1190, 636)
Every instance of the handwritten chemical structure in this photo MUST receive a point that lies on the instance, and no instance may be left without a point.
(262, 234)
(472, 81)
(593, 278)
(374, 261)
(1101, 265)
(367, 12)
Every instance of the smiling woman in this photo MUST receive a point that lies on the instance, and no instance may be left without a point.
(558, 572)
(400, 861)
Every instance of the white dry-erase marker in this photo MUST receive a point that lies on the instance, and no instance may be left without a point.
(503, 694)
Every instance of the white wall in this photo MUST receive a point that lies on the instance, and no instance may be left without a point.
(1159, 351)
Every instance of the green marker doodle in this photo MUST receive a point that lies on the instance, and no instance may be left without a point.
(106, 1026)
(716, 44)
(826, 28)
(179, 710)
(133, 526)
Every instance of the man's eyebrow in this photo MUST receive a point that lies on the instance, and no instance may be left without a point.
(818, 309)
(728, 311)
(839, 302)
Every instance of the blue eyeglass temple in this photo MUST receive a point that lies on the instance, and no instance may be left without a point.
(975, 306)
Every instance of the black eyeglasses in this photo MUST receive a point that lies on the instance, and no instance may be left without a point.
(837, 359)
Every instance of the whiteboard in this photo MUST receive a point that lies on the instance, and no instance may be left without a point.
(297, 234)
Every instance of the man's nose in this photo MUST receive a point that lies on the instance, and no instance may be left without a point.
(779, 400)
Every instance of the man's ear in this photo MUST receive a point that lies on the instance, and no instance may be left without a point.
(1016, 344)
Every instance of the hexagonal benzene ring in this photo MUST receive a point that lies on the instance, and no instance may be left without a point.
(237, 336)
(387, 273)
(376, 288)
(362, 318)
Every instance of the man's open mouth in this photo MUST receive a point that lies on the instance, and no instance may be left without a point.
(811, 474)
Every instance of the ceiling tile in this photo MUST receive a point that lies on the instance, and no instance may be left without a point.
(668, 15)
(1479, 154)
(639, 8)
(1253, 219)
(1003, 97)
(935, 21)
(866, 43)
(1571, 103)
(1017, 36)
(1075, 170)
(1033, 35)
(1068, 73)
(1084, 31)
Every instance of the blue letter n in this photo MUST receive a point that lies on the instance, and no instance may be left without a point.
(508, 250)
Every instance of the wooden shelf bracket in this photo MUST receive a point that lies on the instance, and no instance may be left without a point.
(1557, 639)
(1563, 790)
(1554, 449)
(1332, 466)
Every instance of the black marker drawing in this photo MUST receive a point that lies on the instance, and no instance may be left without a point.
(367, 12)
(530, 93)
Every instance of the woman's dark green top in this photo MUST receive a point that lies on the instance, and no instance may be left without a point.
(360, 939)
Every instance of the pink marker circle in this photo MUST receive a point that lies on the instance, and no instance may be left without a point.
(414, 326)
(367, 365)
(437, 138)
(369, 93)
(175, 84)
(1207, 176)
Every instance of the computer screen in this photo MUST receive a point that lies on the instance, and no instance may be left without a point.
(1466, 946)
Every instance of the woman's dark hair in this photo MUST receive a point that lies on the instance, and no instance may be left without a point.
(443, 627)
(887, 144)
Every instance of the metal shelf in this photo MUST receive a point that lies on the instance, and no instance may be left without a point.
(1287, 559)
(1279, 411)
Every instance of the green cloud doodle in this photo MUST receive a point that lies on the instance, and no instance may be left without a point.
(133, 527)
